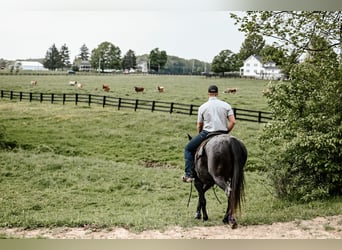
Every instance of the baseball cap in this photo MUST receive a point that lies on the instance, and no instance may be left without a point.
(212, 89)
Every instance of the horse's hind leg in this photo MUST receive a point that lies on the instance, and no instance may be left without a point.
(229, 217)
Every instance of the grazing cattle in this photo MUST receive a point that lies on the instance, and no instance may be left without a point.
(72, 83)
(33, 82)
(230, 90)
(139, 89)
(79, 85)
(106, 87)
(160, 89)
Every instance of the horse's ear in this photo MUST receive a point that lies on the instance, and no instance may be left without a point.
(190, 137)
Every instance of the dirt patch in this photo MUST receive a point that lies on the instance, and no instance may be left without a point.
(318, 228)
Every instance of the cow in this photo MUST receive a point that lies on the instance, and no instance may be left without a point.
(160, 89)
(139, 89)
(230, 90)
(106, 87)
(34, 83)
(79, 85)
(72, 83)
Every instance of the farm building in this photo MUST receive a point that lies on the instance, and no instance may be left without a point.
(85, 66)
(254, 67)
(29, 65)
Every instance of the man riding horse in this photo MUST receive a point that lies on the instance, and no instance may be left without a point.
(214, 116)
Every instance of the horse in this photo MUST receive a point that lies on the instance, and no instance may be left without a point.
(220, 160)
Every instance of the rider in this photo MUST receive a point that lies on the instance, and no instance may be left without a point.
(213, 116)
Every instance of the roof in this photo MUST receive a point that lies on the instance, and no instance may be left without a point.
(29, 63)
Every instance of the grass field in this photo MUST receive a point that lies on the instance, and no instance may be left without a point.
(79, 165)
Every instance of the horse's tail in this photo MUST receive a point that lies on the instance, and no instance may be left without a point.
(239, 153)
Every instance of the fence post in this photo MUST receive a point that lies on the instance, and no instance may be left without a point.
(41, 97)
(235, 112)
(259, 117)
(171, 107)
(153, 105)
(119, 103)
(52, 97)
(89, 100)
(30, 97)
(20, 96)
(136, 105)
(64, 98)
(76, 99)
(11, 96)
(104, 101)
(191, 109)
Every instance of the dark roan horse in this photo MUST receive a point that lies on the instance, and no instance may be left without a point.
(220, 160)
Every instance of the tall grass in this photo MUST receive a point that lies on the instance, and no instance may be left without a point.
(92, 166)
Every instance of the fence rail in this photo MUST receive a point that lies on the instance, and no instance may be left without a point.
(119, 103)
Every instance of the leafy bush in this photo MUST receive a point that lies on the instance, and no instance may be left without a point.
(303, 143)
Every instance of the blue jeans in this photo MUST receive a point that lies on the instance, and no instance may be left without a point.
(190, 149)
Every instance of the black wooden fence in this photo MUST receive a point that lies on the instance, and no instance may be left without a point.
(170, 107)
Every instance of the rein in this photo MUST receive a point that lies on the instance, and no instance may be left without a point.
(216, 195)
(190, 194)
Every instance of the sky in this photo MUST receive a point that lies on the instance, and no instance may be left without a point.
(29, 30)
(190, 29)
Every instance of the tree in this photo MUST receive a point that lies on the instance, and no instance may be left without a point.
(226, 61)
(106, 56)
(294, 29)
(64, 56)
(252, 45)
(303, 142)
(129, 61)
(84, 53)
(274, 54)
(157, 59)
(52, 60)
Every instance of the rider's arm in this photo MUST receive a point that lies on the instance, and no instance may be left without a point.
(199, 127)
(231, 122)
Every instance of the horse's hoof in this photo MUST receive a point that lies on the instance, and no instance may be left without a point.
(225, 221)
(205, 218)
(198, 216)
(234, 226)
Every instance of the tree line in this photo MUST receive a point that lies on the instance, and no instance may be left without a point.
(108, 56)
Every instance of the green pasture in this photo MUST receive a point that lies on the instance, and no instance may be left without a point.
(178, 89)
(69, 165)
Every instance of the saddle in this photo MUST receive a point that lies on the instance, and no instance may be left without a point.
(201, 147)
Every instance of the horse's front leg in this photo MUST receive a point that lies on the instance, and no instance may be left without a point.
(202, 203)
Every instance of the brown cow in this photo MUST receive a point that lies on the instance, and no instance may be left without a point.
(230, 90)
(160, 89)
(139, 89)
(106, 87)
(33, 82)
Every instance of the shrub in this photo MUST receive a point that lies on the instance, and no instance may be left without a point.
(303, 143)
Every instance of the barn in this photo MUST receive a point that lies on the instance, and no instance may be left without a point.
(29, 65)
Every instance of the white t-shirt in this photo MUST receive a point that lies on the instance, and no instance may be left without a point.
(213, 114)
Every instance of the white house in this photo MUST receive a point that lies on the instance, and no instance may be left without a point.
(142, 67)
(29, 65)
(253, 67)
